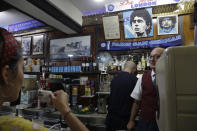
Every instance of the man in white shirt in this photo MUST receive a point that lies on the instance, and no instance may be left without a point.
(145, 96)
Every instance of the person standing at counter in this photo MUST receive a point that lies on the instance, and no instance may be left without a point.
(11, 79)
(120, 102)
(145, 95)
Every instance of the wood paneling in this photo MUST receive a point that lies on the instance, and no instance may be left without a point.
(188, 27)
(91, 30)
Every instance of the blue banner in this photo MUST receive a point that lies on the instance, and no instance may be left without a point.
(123, 46)
(120, 45)
(24, 25)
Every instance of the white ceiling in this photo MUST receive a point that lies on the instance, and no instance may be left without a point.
(34, 11)
(87, 5)
(71, 8)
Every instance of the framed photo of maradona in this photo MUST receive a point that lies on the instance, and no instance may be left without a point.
(70, 47)
(138, 23)
(167, 24)
(26, 45)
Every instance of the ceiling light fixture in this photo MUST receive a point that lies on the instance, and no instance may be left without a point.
(98, 0)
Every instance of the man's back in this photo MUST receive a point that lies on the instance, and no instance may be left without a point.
(120, 101)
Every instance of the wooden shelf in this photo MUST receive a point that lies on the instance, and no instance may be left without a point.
(34, 57)
(33, 73)
(78, 73)
(87, 96)
(56, 80)
(113, 72)
(116, 72)
(103, 93)
(62, 73)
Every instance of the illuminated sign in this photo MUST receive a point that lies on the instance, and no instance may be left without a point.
(24, 25)
(132, 4)
(166, 42)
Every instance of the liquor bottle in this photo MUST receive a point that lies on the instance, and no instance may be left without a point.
(95, 65)
(91, 64)
(92, 87)
(87, 65)
(87, 88)
(139, 66)
(143, 62)
(147, 62)
(131, 58)
(135, 59)
(83, 64)
(115, 63)
(74, 95)
(43, 68)
(118, 67)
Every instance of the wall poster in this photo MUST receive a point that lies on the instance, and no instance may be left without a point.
(37, 46)
(26, 45)
(67, 47)
(138, 23)
(167, 24)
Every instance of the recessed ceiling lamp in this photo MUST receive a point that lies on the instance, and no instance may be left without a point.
(98, 0)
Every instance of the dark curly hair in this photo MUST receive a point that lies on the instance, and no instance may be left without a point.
(145, 15)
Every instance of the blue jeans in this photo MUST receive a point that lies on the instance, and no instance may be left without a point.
(144, 126)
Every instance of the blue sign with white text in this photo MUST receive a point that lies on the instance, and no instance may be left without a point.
(166, 42)
(24, 25)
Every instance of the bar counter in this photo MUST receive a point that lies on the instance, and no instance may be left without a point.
(94, 121)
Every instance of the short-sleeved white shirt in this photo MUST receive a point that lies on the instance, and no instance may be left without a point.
(137, 91)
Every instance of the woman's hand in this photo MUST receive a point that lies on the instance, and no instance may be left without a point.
(130, 125)
(59, 100)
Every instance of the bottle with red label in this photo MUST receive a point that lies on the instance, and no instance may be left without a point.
(95, 65)
(87, 67)
(83, 64)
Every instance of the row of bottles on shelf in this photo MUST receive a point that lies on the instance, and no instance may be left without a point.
(89, 64)
(33, 65)
(64, 69)
(143, 63)
(93, 64)
(117, 62)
